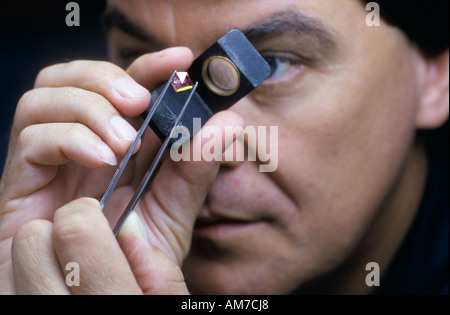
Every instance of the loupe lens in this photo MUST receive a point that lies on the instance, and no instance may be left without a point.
(221, 76)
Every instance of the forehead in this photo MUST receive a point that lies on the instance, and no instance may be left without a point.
(181, 23)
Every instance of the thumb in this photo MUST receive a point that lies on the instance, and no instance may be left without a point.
(155, 272)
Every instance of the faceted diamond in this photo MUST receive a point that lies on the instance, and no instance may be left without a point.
(182, 82)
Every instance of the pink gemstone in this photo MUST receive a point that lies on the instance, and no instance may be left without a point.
(182, 82)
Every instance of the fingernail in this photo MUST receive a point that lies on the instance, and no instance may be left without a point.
(122, 129)
(133, 225)
(105, 153)
(128, 88)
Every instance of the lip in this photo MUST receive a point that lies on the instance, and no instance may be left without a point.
(225, 228)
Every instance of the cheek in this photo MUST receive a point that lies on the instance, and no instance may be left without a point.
(342, 148)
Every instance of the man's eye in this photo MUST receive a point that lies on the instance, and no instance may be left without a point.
(278, 67)
(283, 66)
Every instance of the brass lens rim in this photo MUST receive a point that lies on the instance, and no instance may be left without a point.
(210, 82)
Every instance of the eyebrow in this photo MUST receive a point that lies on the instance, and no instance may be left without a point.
(294, 22)
(114, 18)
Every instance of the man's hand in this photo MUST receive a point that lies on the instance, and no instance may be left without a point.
(69, 130)
(80, 234)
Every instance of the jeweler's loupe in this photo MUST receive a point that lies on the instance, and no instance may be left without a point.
(226, 72)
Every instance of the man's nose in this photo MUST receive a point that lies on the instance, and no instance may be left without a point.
(235, 154)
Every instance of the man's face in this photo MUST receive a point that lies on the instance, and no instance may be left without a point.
(342, 95)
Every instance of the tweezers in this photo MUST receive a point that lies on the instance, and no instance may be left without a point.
(153, 169)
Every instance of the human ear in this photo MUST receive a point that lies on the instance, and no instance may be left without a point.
(434, 106)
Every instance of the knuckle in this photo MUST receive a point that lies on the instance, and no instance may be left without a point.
(76, 64)
(76, 131)
(26, 136)
(72, 97)
(26, 100)
(44, 75)
(74, 226)
(101, 73)
(86, 103)
(98, 67)
(77, 223)
(78, 96)
(32, 232)
(79, 64)
(77, 70)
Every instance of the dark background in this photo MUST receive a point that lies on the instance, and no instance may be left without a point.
(33, 35)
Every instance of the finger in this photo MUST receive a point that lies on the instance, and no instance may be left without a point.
(82, 235)
(36, 268)
(155, 272)
(41, 148)
(152, 70)
(53, 105)
(103, 78)
(180, 189)
(7, 286)
(56, 144)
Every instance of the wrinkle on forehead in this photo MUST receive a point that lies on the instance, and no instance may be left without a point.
(182, 22)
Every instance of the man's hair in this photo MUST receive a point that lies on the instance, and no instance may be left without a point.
(425, 22)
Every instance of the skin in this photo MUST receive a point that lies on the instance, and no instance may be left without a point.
(351, 168)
